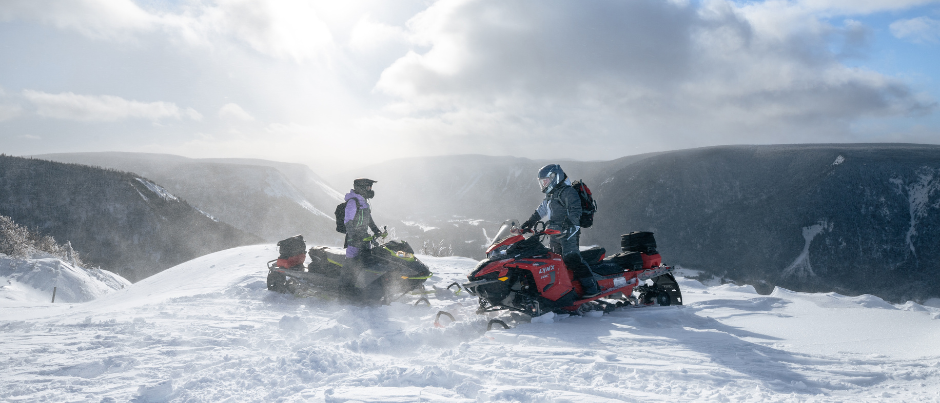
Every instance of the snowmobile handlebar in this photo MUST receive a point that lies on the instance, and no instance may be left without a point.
(382, 234)
(535, 229)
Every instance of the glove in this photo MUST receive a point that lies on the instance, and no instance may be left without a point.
(527, 226)
(379, 233)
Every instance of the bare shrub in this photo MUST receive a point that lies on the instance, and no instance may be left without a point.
(19, 241)
(440, 249)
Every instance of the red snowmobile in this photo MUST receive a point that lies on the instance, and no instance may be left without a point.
(521, 274)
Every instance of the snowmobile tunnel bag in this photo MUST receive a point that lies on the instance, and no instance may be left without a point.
(627, 260)
(638, 241)
(292, 246)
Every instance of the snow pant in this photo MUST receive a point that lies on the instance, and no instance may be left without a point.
(567, 246)
(354, 243)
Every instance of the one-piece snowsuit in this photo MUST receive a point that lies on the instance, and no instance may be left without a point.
(561, 209)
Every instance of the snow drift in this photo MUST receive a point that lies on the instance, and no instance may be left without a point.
(31, 281)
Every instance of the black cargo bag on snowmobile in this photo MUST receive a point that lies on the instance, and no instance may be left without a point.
(291, 247)
(638, 241)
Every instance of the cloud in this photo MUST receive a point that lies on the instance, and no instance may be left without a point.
(103, 108)
(9, 111)
(843, 7)
(368, 35)
(920, 29)
(640, 72)
(231, 111)
(592, 80)
(288, 29)
(101, 19)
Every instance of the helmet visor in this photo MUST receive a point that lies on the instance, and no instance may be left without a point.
(544, 183)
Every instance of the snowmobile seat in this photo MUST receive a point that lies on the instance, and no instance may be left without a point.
(593, 255)
(325, 262)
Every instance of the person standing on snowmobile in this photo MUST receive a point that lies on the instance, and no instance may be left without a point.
(358, 218)
(561, 210)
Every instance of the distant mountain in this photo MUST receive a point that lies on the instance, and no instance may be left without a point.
(272, 200)
(850, 218)
(856, 218)
(120, 221)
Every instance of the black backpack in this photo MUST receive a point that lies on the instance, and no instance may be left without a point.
(340, 214)
(588, 205)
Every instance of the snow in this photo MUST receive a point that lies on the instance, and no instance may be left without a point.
(329, 191)
(208, 331)
(469, 185)
(801, 267)
(156, 189)
(25, 282)
(919, 198)
(276, 186)
(472, 221)
(421, 226)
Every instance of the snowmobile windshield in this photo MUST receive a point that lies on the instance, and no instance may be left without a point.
(508, 229)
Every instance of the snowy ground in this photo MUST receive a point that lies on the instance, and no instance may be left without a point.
(209, 331)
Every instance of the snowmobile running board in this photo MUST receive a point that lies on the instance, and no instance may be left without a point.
(654, 272)
(645, 275)
(471, 286)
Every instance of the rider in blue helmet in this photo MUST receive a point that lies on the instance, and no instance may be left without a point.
(561, 210)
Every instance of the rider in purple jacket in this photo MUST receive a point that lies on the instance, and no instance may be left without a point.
(358, 217)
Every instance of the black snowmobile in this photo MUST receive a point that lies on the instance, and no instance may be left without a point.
(382, 274)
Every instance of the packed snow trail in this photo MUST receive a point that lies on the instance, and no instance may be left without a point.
(209, 331)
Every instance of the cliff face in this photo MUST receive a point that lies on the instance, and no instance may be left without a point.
(853, 218)
(117, 220)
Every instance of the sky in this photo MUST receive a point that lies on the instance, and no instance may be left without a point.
(352, 83)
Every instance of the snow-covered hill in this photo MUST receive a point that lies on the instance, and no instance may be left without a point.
(26, 282)
(209, 331)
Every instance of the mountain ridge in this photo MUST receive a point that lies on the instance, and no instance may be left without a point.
(114, 219)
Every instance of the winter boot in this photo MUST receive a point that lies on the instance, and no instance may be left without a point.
(590, 287)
